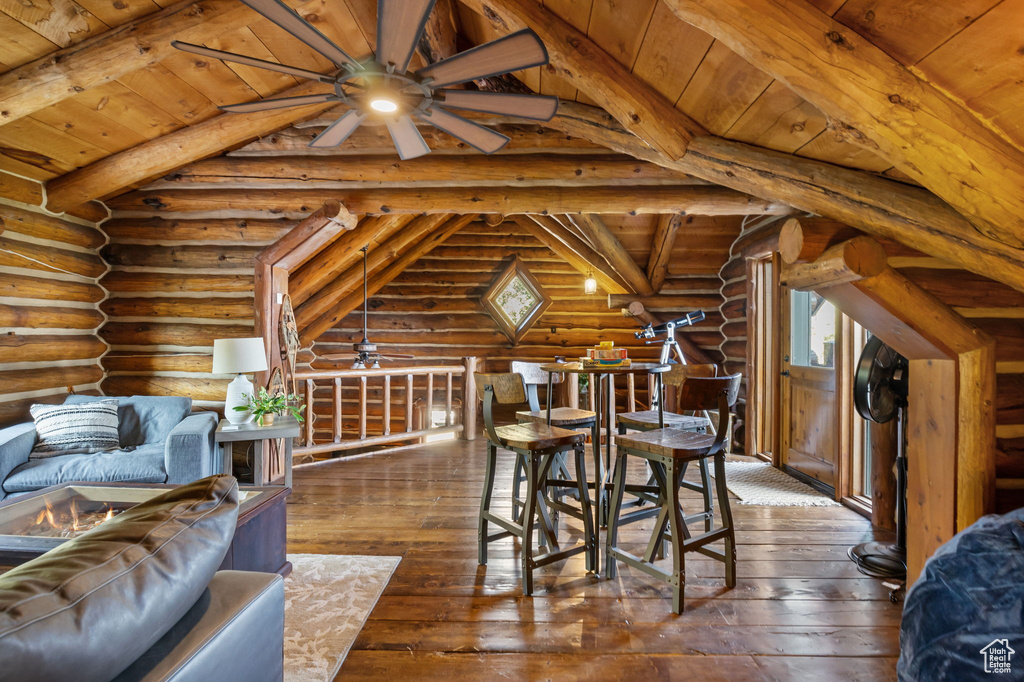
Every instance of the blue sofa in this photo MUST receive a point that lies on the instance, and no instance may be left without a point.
(160, 443)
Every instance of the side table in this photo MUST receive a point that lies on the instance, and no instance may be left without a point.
(283, 427)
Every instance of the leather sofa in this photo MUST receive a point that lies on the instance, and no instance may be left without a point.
(160, 443)
(139, 598)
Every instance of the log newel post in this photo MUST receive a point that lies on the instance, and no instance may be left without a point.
(469, 398)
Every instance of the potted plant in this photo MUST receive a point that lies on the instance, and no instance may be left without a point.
(264, 406)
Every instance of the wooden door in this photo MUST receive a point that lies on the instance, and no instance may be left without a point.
(809, 424)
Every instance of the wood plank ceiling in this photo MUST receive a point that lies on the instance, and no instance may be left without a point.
(970, 48)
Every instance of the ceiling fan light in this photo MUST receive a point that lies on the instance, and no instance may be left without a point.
(383, 105)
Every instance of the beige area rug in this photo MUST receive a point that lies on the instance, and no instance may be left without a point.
(327, 600)
(761, 483)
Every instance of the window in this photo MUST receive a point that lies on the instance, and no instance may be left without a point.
(515, 300)
(813, 330)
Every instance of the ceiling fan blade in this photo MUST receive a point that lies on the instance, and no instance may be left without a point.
(250, 61)
(474, 134)
(291, 21)
(338, 132)
(408, 140)
(280, 103)
(400, 24)
(337, 356)
(397, 356)
(519, 50)
(534, 107)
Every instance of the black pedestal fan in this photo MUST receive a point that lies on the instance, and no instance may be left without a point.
(880, 394)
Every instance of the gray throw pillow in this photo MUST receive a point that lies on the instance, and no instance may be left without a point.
(75, 429)
(89, 608)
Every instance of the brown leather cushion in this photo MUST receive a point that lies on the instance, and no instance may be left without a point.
(87, 609)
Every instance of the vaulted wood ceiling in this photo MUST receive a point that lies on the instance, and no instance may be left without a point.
(76, 91)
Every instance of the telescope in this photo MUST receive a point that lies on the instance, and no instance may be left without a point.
(650, 331)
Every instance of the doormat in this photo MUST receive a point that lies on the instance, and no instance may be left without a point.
(761, 483)
(327, 601)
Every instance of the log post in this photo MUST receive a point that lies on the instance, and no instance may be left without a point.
(469, 398)
(883, 481)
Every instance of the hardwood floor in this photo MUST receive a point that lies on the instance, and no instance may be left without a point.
(800, 610)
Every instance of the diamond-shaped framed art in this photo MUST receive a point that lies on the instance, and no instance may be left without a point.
(515, 300)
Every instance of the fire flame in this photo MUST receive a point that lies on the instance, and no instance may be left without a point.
(76, 523)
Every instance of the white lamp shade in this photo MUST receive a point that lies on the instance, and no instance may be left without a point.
(237, 356)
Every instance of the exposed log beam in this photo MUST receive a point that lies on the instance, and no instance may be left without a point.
(440, 35)
(572, 250)
(526, 138)
(382, 278)
(171, 151)
(886, 208)
(310, 236)
(112, 54)
(507, 201)
(609, 246)
(880, 104)
(342, 255)
(322, 301)
(661, 249)
(849, 261)
(473, 170)
(581, 62)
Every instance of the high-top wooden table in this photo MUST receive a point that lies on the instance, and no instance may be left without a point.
(604, 402)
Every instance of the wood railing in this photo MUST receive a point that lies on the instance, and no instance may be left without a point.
(411, 381)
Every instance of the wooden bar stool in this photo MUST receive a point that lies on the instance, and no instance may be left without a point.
(563, 417)
(538, 445)
(668, 450)
(647, 420)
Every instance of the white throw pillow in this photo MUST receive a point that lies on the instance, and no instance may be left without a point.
(80, 428)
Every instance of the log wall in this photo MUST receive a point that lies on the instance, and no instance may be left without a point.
(993, 307)
(433, 310)
(49, 301)
(175, 286)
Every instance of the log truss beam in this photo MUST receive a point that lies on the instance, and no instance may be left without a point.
(110, 55)
(165, 153)
(878, 103)
(699, 200)
(661, 249)
(551, 232)
(876, 205)
(397, 257)
(612, 250)
(578, 60)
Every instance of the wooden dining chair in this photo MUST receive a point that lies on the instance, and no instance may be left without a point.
(538, 445)
(668, 450)
(647, 420)
(680, 417)
(564, 417)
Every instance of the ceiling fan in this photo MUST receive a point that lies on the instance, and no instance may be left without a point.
(381, 87)
(365, 352)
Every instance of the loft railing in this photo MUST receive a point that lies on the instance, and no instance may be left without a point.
(327, 394)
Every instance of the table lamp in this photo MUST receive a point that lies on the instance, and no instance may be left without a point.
(238, 356)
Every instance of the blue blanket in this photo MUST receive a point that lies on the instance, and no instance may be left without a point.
(964, 618)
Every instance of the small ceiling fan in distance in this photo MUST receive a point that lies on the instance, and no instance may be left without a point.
(365, 353)
(381, 87)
